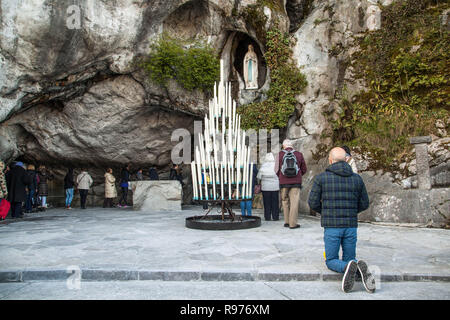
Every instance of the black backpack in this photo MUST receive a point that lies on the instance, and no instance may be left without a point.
(289, 167)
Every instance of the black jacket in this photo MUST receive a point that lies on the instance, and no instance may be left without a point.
(16, 180)
(68, 180)
(174, 175)
(339, 195)
(153, 174)
(33, 184)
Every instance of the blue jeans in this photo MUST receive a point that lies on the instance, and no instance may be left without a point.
(69, 197)
(246, 206)
(43, 200)
(30, 200)
(334, 238)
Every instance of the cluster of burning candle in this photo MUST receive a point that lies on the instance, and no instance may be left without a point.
(222, 160)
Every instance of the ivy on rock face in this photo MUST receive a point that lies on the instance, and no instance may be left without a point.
(406, 67)
(193, 66)
(286, 82)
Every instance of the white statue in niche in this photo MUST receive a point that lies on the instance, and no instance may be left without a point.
(251, 69)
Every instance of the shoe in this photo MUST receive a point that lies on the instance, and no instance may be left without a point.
(119, 206)
(349, 276)
(367, 278)
(296, 226)
(69, 208)
(286, 225)
(275, 219)
(268, 219)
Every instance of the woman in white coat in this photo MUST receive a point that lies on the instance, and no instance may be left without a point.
(110, 189)
(270, 187)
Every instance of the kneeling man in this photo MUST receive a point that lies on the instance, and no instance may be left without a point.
(339, 195)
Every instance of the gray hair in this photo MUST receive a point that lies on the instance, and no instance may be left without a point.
(287, 144)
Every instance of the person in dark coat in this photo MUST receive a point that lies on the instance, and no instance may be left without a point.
(124, 182)
(17, 180)
(339, 194)
(31, 188)
(43, 178)
(175, 174)
(153, 174)
(68, 187)
(139, 175)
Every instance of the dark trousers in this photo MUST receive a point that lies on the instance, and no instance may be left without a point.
(108, 203)
(124, 196)
(271, 205)
(30, 200)
(83, 197)
(16, 209)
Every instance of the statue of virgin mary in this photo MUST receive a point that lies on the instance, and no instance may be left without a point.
(251, 69)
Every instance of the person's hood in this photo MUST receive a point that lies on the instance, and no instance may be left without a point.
(269, 157)
(341, 168)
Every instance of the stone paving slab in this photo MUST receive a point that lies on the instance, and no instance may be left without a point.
(121, 244)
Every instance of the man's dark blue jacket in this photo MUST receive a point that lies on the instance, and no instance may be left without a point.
(338, 195)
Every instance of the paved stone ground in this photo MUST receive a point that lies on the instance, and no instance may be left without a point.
(220, 290)
(122, 244)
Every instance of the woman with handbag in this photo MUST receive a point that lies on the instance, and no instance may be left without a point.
(110, 189)
(270, 187)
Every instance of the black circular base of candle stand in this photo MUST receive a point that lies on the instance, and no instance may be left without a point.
(225, 221)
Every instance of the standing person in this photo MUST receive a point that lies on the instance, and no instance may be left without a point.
(124, 180)
(68, 188)
(139, 175)
(110, 188)
(246, 205)
(290, 168)
(84, 182)
(153, 174)
(16, 181)
(32, 188)
(175, 174)
(349, 159)
(339, 195)
(270, 187)
(3, 187)
(43, 177)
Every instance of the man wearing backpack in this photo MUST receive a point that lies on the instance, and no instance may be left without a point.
(290, 168)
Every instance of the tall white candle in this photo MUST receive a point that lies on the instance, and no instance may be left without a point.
(229, 183)
(213, 177)
(247, 193)
(221, 182)
(251, 181)
(199, 172)
(244, 180)
(194, 182)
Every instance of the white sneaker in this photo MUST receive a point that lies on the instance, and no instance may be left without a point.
(367, 278)
(349, 276)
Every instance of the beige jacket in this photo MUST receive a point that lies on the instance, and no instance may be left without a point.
(84, 181)
(110, 186)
